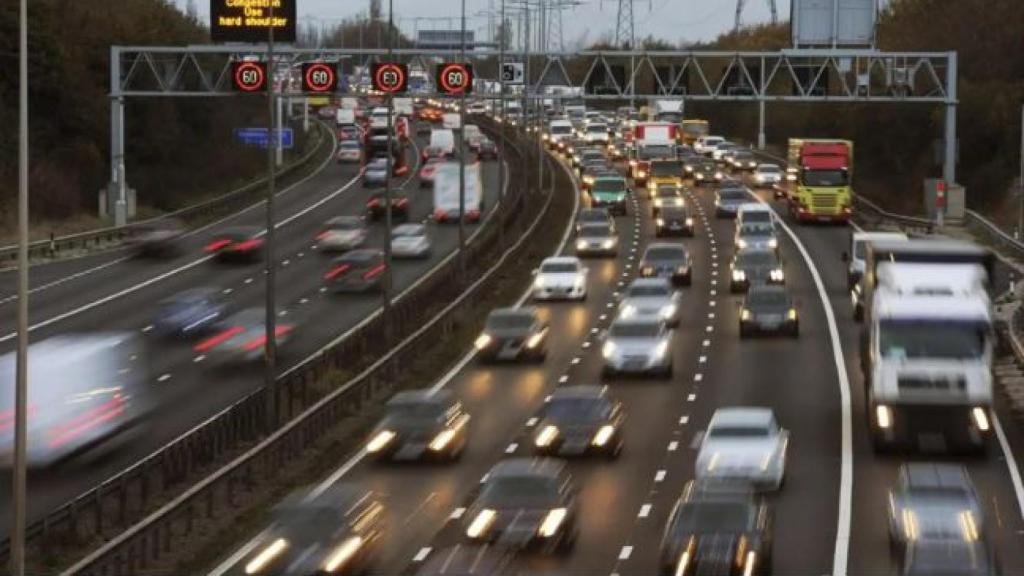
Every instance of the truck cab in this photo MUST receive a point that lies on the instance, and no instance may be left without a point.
(664, 172)
(820, 173)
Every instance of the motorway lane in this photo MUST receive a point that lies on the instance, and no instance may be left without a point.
(186, 388)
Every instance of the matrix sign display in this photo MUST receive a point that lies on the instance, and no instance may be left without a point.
(390, 77)
(249, 20)
(455, 78)
(249, 76)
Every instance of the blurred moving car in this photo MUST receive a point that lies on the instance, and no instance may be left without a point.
(342, 233)
(349, 152)
(755, 237)
(189, 312)
(729, 200)
(704, 172)
(513, 334)
(239, 244)
(487, 149)
(525, 503)
(579, 421)
(717, 529)
(597, 239)
(637, 346)
(651, 298)
(594, 216)
(421, 424)
(667, 260)
(241, 338)
(666, 196)
(560, 278)
(768, 309)
(674, 222)
(768, 175)
(742, 160)
(948, 558)
(334, 532)
(744, 445)
(376, 205)
(375, 173)
(428, 170)
(410, 241)
(158, 238)
(752, 267)
(359, 270)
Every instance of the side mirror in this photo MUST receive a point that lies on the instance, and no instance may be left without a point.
(845, 257)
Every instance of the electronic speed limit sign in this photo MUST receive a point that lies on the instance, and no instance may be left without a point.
(390, 77)
(455, 78)
(249, 76)
(319, 77)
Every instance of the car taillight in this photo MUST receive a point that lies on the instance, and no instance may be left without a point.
(374, 272)
(373, 203)
(402, 201)
(336, 271)
(217, 245)
(440, 215)
(260, 340)
(248, 245)
(218, 339)
(323, 235)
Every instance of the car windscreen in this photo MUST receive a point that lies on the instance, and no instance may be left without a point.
(648, 290)
(732, 195)
(561, 129)
(665, 253)
(756, 231)
(610, 185)
(825, 178)
(593, 216)
(756, 259)
(357, 257)
(520, 491)
(350, 145)
(757, 217)
(711, 517)
(666, 168)
(945, 338)
(737, 431)
(767, 298)
(668, 192)
(599, 128)
(346, 225)
(597, 230)
(577, 409)
(768, 169)
(559, 267)
(409, 231)
(506, 321)
(635, 330)
(408, 411)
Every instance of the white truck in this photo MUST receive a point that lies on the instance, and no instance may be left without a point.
(927, 346)
(668, 110)
(446, 192)
(344, 116)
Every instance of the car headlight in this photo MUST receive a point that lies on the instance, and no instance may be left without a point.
(699, 175)
(661, 349)
(641, 174)
(668, 311)
(588, 179)
(883, 415)
(608, 243)
(792, 314)
(535, 340)
(689, 168)
(608, 350)
(745, 314)
(379, 441)
(266, 556)
(689, 221)
(627, 311)
(719, 175)
(632, 163)
(660, 221)
(538, 282)
(604, 434)
(343, 553)
(552, 522)
(658, 202)
(777, 275)
(483, 341)
(546, 436)
(739, 275)
(581, 244)
(773, 243)
(479, 526)
(741, 243)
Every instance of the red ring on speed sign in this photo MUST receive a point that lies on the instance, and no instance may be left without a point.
(450, 70)
(383, 72)
(258, 77)
(310, 74)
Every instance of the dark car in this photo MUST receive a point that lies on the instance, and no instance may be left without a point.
(768, 309)
(421, 424)
(358, 270)
(704, 172)
(674, 222)
(666, 196)
(578, 421)
(743, 160)
(242, 244)
(190, 312)
(337, 531)
(375, 205)
(948, 558)
(487, 150)
(717, 530)
(729, 200)
(158, 238)
(241, 338)
(525, 503)
(513, 334)
(667, 260)
(753, 267)
(597, 239)
(594, 216)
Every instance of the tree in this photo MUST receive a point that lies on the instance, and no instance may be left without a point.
(375, 11)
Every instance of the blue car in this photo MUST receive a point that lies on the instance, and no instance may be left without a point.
(190, 312)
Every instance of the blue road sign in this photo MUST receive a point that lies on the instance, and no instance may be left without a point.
(258, 137)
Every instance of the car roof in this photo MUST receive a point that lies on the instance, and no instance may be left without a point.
(948, 308)
(932, 475)
(743, 415)
(409, 229)
(527, 467)
(560, 260)
(359, 255)
(637, 321)
(746, 251)
(754, 207)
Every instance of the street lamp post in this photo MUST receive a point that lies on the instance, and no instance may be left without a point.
(387, 188)
(462, 153)
(270, 320)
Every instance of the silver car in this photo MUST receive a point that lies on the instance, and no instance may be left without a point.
(637, 346)
(651, 298)
(729, 200)
(744, 444)
(376, 172)
(560, 278)
(342, 233)
(756, 237)
(934, 503)
(410, 241)
(597, 240)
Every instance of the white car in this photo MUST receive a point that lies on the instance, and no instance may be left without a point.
(746, 445)
(719, 151)
(410, 241)
(596, 134)
(651, 298)
(755, 237)
(342, 233)
(705, 144)
(768, 175)
(349, 152)
(637, 346)
(562, 277)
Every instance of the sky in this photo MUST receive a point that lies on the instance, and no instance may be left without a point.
(670, 20)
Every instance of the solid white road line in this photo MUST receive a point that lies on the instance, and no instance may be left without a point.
(1011, 463)
(235, 558)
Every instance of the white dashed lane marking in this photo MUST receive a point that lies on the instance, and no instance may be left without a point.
(625, 553)
(164, 378)
(659, 476)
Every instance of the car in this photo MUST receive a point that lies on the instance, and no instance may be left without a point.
(157, 238)
(745, 445)
(525, 503)
(241, 337)
(349, 132)
(706, 144)
(428, 170)
(717, 528)
(349, 152)
(375, 173)
(743, 160)
(589, 170)
(594, 216)
(376, 205)
(420, 425)
(934, 503)
(755, 213)
(342, 233)
(596, 133)
(435, 152)
(673, 222)
(611, 192)
(513, 334)
(360, 270)
(704, 172)
(767, 175)
(721, 148)
(637, 346)
(667, 260)
(651, 298)
(579, 421)
(410, 241)
(768, 309)
(487, 150)
(336, 531)
(597, 239)
(189, 312)
(752, 267)
(560, 277)
(666, 196)
(755, 237)
(729, 200)
(239, 244)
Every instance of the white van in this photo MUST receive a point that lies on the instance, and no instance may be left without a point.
(446, 192)
(559, 130)
(706, 144)
(471, 132)
(858, 248)
(443, 139)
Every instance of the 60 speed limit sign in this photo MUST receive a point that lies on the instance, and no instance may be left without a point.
(319, 77)
(249, 76)
(389, 77)
(455, 78)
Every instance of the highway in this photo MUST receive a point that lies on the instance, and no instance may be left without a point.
(121, 293)
(625, 503)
